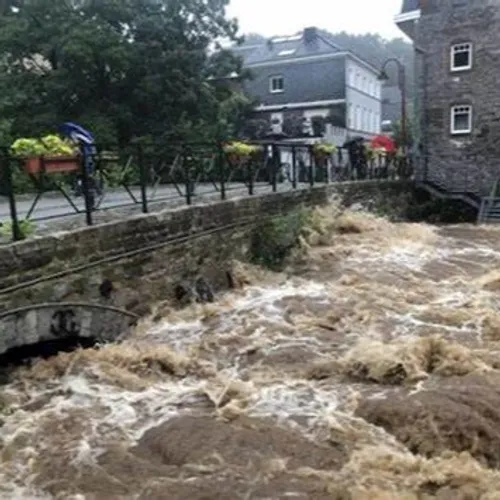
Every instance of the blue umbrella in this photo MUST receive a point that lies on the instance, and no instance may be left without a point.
(77, 133)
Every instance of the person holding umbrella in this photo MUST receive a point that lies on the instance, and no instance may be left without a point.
(357, 156)
(88, 150)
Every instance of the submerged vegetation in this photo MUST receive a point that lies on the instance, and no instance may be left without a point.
(274, 239)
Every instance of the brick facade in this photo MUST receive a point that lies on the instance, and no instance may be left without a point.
(464, 162)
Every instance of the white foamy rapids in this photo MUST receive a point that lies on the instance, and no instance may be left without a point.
(259, 302)
(412, 256)
(113, 414)
(262, 343)
(295, 399)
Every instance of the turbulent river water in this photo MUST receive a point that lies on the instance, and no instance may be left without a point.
(369, 369)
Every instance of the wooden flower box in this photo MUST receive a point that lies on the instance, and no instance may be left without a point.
(52, 164)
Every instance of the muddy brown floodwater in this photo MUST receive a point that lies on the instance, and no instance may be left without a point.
(370, 369)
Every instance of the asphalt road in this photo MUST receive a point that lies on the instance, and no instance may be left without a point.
(53, 205)
(53, 212)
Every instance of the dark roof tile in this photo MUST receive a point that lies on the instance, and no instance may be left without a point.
(409, 5)
(278, 48)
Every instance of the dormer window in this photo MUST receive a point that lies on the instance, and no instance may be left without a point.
(276, 84)
(461, 57)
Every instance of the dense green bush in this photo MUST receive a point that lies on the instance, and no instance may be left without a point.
(274, 239)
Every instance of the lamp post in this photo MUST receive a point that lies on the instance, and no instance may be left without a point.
(402, 87)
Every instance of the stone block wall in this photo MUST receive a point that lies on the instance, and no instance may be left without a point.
(130, 265)
(468, 162)
(142, 257)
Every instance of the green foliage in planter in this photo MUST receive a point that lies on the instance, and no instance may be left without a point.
(27, 148)
(324, 149)
(241, 149)
(274, 239)
(50, 145)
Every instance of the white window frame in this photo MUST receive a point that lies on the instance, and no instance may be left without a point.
(467, 47)
(454, 110)
(272, 88)
(350, 116)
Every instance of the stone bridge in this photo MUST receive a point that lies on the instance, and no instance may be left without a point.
(96, 281)
(58, 321)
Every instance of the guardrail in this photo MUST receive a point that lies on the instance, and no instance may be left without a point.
(472, 175)
(143, 176)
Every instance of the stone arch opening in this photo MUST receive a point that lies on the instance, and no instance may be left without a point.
(24, 355)
(42, 330)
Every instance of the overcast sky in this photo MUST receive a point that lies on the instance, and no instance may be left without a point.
(283, 17)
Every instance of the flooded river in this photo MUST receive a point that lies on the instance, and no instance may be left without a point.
(369, 369)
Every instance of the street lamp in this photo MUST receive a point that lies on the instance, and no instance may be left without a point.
(383, 76)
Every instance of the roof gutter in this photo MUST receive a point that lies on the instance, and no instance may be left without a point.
(299, 105)
(412, 15)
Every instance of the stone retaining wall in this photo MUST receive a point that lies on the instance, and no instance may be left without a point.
(134, 263)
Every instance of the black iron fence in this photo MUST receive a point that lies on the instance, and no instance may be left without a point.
(471, 175)
(140, 176)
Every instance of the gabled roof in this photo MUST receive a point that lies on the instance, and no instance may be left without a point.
(310, 42)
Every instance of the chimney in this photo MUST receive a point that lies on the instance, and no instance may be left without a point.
(310, 35)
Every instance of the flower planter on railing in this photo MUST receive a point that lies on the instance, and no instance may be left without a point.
(239, 154)
(322, 152)
(51, 155)
(51, 164)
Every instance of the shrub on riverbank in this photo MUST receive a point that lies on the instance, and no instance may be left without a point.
(274, 239)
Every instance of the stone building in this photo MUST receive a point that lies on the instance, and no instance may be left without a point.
(457, 48)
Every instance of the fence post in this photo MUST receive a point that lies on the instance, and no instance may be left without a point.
(187, 176)
(312, 169)
(250, 177)
(143, 179)
(7, 168)
(87, 194)
(220, 167)
(294, 167)
(276, 163)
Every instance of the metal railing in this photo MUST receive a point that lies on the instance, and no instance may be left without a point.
(471, 175)
(142, 176)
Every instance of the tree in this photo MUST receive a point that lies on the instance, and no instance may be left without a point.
(123, 68)
(397, 133)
